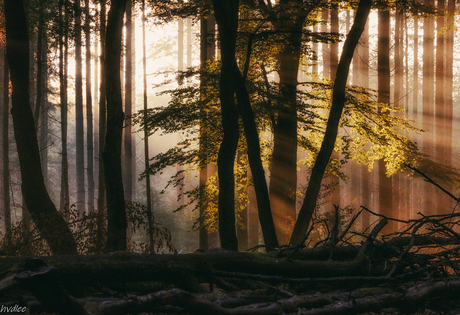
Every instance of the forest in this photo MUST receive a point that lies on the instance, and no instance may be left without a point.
(229, 157)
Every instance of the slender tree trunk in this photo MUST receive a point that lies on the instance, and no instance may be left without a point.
(333, 63)
(49, 222)
(415, 204)
(128, 131)
(116, 208)
(63, 64)
(89, 112)
(101, 199)
(207, 51)
(42, 100)
(6, 149)
(383, 68)
(428, 105)
(80, 142)
(440, 118)
(148, 188)
(338, 103)
(398, 86)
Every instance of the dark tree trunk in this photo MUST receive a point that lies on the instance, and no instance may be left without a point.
(227, 20)
(63, 48)
(448, 84)
(383, 68)
(6, 149)
(128, 131)
(441, 120)
(146, 137)
(232, 82)
(89, 111)
(101, 200)
(338, 102)
(116, 208)
(47, 219)
(80, 142)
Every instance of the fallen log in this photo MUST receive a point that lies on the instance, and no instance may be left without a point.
(183, 270)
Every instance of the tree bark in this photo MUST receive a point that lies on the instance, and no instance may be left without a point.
(116, 208)
(6, 149)
(80, 142)
(101, 198)
(128, 131)
(89, 111)
(146, 138)
(49, 222)
(327, 146)
(63, 64)
(227, 20)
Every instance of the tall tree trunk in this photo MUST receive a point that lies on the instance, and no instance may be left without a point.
(398, 86)
(47, 219)
(89, 111)
(101, 200)
(116, 208)
(128, 137)
(207, 51)
(80, 142)
(333, 63)
(227, 20)
(448, 84)
(383, 68)
(415, 202)
(63, 64)
(6, 149)
(283, 173)
(148, 188)
(440, 119)
(428, 105)
(42, 107)
(330, 136)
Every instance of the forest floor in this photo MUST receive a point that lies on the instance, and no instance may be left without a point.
(414, 271)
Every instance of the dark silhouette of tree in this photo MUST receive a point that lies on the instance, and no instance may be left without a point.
(116, 208)
(232, 82)
(207, 51)
(101, 198)
(63, 64)
(148, 188)
(79, 119)
(327, 146)
(47, 219)
(89, 111)
(6, 149)
(128, 131)
(227, 20)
